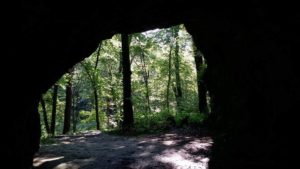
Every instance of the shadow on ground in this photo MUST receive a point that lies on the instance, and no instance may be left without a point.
(173, 150)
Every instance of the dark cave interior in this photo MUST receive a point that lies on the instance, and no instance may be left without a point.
(251, 76)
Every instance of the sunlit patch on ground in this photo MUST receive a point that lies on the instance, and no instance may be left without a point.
(68, 165)
(46, 158)
(173, 150)
(169, 143)
(189, 156)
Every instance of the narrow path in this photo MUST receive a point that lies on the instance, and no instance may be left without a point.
(172, 150)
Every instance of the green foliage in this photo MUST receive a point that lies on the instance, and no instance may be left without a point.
(165, 120)
(196, 119)
(189, 119)
(149, 57)
(87, 120)
(47, 140)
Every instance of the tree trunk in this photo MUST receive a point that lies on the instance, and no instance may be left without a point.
(113, 105)
(146, 81)
(54, 101)
(96, 89)
(169, 77)
(96, 107)
(127, 107)
(45, 115)
(178, 94)
(98, 54)
(108, 110)
(92, 76)
(68, 107)
(75, 111)
(202, 102)
(74, 119)
(112, 85)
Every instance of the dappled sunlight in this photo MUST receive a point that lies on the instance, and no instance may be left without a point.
(66, 142)
(90, 133)
(156, 60)
(145, 154)
(169, 143)
(38, 161)
(67, 166)
(75, 164)
(119, 147)
(189, 155)
(81, 139)
(174, 150)
(198, 144)
(179, 161)
(60, 162)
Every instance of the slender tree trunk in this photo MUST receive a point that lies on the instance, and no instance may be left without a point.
(202, 102)
(74, 119)
(75, 112)
(96, 107)
(146, 81)
(95, 88)
(112, 85)
(68, 107)
(147, 93)
(108, 110)
(53, 116)
(121, 64)
(98, 54)
(45, 115)
(95, 91)
(127, 107)
(178, 93)
(113, 105)
(169, 77)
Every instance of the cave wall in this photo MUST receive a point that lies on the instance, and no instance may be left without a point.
(250, 75)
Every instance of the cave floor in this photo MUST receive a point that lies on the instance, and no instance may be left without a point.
(176, 149)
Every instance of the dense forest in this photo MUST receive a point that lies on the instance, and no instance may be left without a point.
(142, 82)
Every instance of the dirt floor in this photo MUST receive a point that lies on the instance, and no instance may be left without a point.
(176, 149)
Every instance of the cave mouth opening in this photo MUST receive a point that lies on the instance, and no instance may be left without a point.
(251, 74)
(169, 99)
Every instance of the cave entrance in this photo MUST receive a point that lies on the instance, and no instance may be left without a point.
(168, 97)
